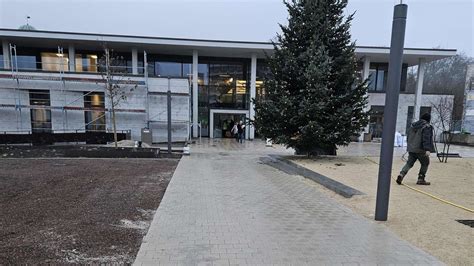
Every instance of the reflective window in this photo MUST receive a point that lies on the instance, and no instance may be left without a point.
(168, 69)
(54, 62)
(95, 119)
(1, 61)
(25, 62)
(187, 70)
(86, 62)
(41, 116)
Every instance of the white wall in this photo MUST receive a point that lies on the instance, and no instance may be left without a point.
(11, 119)
(404, 102)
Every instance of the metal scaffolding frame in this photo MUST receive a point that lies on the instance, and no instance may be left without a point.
(67, 104)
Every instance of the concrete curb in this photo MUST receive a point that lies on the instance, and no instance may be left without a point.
(292, 168)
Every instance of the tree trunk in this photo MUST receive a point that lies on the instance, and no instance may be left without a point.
(114, 124)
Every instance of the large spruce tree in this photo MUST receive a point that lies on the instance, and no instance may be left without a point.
(314, 99)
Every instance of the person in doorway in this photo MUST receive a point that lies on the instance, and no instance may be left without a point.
(419, 146)
(241, 129)
(235, 132)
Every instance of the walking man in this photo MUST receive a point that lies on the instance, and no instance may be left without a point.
(419, 146)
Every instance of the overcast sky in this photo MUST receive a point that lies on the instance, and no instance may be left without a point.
(431, 23)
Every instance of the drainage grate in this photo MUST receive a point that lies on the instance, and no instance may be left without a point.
(467, 222)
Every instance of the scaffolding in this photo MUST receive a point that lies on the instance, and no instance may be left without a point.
(60, 65)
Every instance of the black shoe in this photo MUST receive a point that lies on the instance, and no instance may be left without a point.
(422, 182)
(399, 179)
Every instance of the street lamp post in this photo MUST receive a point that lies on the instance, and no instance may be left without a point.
(390, 111)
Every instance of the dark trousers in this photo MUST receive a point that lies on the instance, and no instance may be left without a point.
(412, 158)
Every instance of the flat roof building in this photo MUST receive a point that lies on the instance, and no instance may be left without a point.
(50, 82)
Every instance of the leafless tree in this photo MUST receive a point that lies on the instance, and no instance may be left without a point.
(444, 122)
(117, 86)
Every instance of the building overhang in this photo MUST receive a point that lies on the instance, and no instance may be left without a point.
(181, 46)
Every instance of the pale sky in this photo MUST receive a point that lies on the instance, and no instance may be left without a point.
(431, 23)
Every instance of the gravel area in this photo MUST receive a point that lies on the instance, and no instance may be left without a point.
(56, 211)
(417, 218)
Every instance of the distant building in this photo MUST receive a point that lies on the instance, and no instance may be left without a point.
(212, 83)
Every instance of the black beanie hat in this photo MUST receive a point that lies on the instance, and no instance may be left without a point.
(426, 117)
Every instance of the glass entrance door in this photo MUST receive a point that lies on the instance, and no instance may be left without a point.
(223, 124)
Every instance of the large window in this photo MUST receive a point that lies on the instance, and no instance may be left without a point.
(223, 84)
(95, 113)
(86, 62)
(376, 120)
(378, 77)
(54, 62)
(40, 116)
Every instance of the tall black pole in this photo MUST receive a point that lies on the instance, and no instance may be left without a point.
(390, 111)
(169, 115)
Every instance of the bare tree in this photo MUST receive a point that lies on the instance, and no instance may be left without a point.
(117, 86)
(444, 122)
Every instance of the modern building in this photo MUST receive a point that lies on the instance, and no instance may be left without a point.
(51, 82)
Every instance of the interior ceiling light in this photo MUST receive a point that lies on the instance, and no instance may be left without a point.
(94, 56)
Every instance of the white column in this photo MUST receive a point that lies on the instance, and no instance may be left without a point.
(366, 70)
(419, 89)
(6, 54)
(134, 61)
(195, 94)
(72, 57)
(365, 75)
(253, 92)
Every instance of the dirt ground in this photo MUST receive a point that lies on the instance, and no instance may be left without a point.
(417, 218)
(56, 211)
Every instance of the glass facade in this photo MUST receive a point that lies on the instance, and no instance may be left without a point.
(223, 84)
(378, 76)
(86, 62)
(54, 62)
(94, 119)
(41, 117)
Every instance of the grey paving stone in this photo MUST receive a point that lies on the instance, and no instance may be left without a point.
(226, 210)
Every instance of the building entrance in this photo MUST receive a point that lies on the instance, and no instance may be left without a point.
(223, 124)
(222, 121)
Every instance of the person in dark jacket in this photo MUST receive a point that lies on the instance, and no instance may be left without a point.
(419, 146)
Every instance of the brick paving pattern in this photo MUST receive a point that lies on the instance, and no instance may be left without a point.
(223, 207)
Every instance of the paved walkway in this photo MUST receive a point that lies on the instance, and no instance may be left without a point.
(223, 207)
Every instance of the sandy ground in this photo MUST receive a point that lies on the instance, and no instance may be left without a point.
(417, 218)
(80, 211)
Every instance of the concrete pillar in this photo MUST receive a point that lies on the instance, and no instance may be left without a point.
(134, 61)
(365, 75)
(195, 94)
(6, 54)
(366, 70)
(419, 89)
(253, 93)
(72, 57)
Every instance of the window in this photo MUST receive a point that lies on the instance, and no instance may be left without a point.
(95, 111)
(25, 62)
(376, 120)
(86, 62)
(54, 62)
(378, 77)
(41, 116)
(2, 64)
(168, 69)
